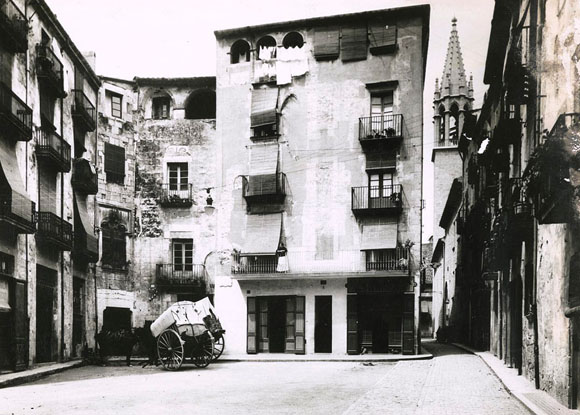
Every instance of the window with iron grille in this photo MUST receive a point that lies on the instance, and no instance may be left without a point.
(178, 176)
(114, 245)
(114, 163)
(160, 108)
(116, 108)
(183, 255)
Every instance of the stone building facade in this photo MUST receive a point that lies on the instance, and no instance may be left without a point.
(48, 93)
(521, 208)
(319, 160)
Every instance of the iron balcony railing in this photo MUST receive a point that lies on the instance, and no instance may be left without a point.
(53, 148)
(83, 111)
(181, 274)
(13, 27)
(18, 211)
(377, 198)
(55, 230)
(380, 128)
(15, 115)
(176, 195)
(316, 262)
(49, 70)
(85, 178)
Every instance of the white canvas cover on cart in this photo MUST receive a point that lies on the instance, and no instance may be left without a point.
(182, 313)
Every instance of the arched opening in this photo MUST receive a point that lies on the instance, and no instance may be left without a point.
(240, 52)
(200, 105)
(453, 123)
(266, 48)
(441, 123)
(160, 106)
(293, 40)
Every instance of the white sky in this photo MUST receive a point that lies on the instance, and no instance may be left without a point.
(175, 38)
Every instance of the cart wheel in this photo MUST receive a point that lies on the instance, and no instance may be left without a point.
(170, 349)
(218, 347)
(204, 354)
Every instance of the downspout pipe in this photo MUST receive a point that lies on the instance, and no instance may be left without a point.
(62, 314)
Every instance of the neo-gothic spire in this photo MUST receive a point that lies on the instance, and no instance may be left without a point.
(453, 81)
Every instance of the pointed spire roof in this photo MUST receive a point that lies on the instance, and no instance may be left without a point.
(453, 81)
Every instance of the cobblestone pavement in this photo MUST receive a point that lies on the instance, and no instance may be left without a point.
(454, 382)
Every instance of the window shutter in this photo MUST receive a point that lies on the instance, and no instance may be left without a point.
(353, 46)
(251, 335)
(290, 325)
(264, 105)
(114, 159)
(299, 342)
(352, 346)
(326, 43)
(47, 184)
(263, 340)
(408, 323)
(20, 317)
(381, 161)
(383, 38)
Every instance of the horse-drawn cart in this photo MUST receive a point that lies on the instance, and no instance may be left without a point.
(188, 330)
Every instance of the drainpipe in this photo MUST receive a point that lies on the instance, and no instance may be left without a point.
(62, 341)
(27, 69)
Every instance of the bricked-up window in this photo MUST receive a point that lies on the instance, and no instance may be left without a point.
(115, 163)
(114, 245)
(116, 105)
(183, 255)
(324, 247)
(178, 176)
(160, 108)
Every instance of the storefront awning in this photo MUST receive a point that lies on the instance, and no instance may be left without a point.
(262, 234)
(379, 234)
(21, 204)
(264, 105)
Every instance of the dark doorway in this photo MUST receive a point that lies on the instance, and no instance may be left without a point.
(46, 341)
(380, 322)
(78, 316)
(323, 324)
(116, 318)
(277, 324)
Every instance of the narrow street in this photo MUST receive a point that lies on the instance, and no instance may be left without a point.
(454, 382)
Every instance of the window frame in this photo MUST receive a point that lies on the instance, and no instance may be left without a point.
(181, 181)
(113, 170)
(160, 102)
(114, 96)
(114, 245)
(383, 188)
(182, 249)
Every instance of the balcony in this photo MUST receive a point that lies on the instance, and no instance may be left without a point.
(181, 276)
(49, 71)
(13, 28)
(269, 188)
(296, 264)
(85, 178)
(86, 246)
(55, 231)
(53, 149)
(176, 195)
(381, 130)
(15, 116)
(83, 111)
(18, 211)
(375, 200)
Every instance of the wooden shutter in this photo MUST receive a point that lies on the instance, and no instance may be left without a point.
(251, 342)
(352, 346)
(299, 325)
(326, 44)
(263, 340)
(291, 325)
(353, 46)
(20, 310)
(408, 323)
(383, 38)
(47, 190)
(114, 159)
(264, 105)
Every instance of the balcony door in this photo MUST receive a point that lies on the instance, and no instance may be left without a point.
(382, 112)
(380, 190)
(183, 255)
(178, 180)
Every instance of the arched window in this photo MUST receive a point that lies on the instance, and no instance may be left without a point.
(240, 52)
(293, 40)
(441, 123)
(114, 243)
(200, 105)
(161, 106)
(453, 123)
(266, 48)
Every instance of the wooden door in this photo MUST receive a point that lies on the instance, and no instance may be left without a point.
(251, 346)
(46, 342)
(352, 343)
(290, 325)
(300, 329)
(263, 339)
(408, 323)
(20, 313)
(323, 324)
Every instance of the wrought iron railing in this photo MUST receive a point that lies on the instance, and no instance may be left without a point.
(55, 229)
(381, 127)
(377, 197)
(13, 27)
(49, 68)
(174, 194)
(387, 260)
(84, 110)
(50, 145)
(181, 274)
(15, 115)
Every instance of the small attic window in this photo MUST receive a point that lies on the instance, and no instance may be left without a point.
(160, 107)
(293, 40)
(266, 48)
(240, 52)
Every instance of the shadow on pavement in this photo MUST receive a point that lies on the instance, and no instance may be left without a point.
(441, 349)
